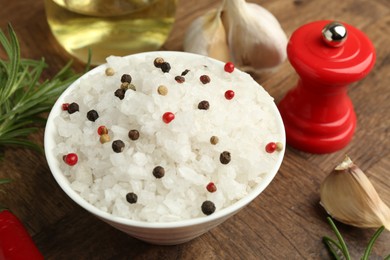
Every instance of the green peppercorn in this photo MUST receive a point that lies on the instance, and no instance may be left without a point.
(131, 197)
(125, 85)
(73, 107)
(133, 134)
(126, 78)
(208, 207)
(214, 140)
(158, 172)
(225, 157)
(109, 71)
(204, 105)
(92, 115)
(162, 90)
(118, 146)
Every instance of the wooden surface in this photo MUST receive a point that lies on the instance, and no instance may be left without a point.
(285, 222)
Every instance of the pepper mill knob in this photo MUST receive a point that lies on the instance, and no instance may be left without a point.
(328, 56)
(334, 34)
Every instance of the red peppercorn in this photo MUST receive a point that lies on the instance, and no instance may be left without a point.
(168, 117)
(70, 159)
(65, 106)
(270, 147)
(229, 67)
(229, 94)
(211, 187)
(102, 130)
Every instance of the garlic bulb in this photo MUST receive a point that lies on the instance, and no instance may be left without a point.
(206, 36)
(348, 196)
(255, 37)
(244, 33)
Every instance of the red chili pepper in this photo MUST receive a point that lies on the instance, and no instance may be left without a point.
(15, 241)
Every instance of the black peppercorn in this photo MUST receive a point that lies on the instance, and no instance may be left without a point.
(134, 134)
(205, 79)
(180, 79)
(158, 62)
(73, 107)
(208, 207)
(131, 197)
(158, 172)
(225, 157)
(204, 105)
(165, 67)
(120, 93)
(126, 78)
(92, 115)
(118, 146)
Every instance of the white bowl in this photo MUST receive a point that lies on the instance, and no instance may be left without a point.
(169, 233)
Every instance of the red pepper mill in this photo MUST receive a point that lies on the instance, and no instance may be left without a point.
(328, 56)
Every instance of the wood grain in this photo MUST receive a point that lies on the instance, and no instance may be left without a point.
(285, 222)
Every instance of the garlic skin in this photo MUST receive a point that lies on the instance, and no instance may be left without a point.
(244, 33)
(349, 196)
(206, 36)
(255, 38)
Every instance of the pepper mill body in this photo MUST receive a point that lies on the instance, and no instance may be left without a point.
(318, 115)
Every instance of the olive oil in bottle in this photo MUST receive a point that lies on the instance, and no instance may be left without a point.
(110, 27)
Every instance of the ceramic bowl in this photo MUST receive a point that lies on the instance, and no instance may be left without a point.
(169, 233)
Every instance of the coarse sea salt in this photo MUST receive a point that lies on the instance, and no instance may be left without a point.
(243, 125)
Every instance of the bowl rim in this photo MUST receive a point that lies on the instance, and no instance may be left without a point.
(63, 182)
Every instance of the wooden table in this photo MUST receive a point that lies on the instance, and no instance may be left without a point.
(285, 222)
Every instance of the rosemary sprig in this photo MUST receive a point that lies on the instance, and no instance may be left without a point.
(339, 249)
(23, 96)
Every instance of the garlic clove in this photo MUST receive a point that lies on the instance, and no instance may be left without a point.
(255, 37)
(206, 36)
(349, 196)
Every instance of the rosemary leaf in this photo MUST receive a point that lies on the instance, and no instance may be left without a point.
(367, 252)
(24, 96)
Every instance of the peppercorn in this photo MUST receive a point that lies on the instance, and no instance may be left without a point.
(104, 138)
(125, 85)
(134, 134)
(185, 72)
(214, 140)
(165, 67)
(204, 105)
(120, 93)
(180, 79)
(70, 159)
(65, 106)
(225, 157)
(131, 197)
(73, 107)
(118, 146)
(229, 67)
(102, 130)
(126, 78)
(162, 90)
(92, 115)
(158, 172)
(211, 187)
(167, 117)
(204, 79)
(229, 94)
(208, 207)
(158, 62)
(110, 71)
